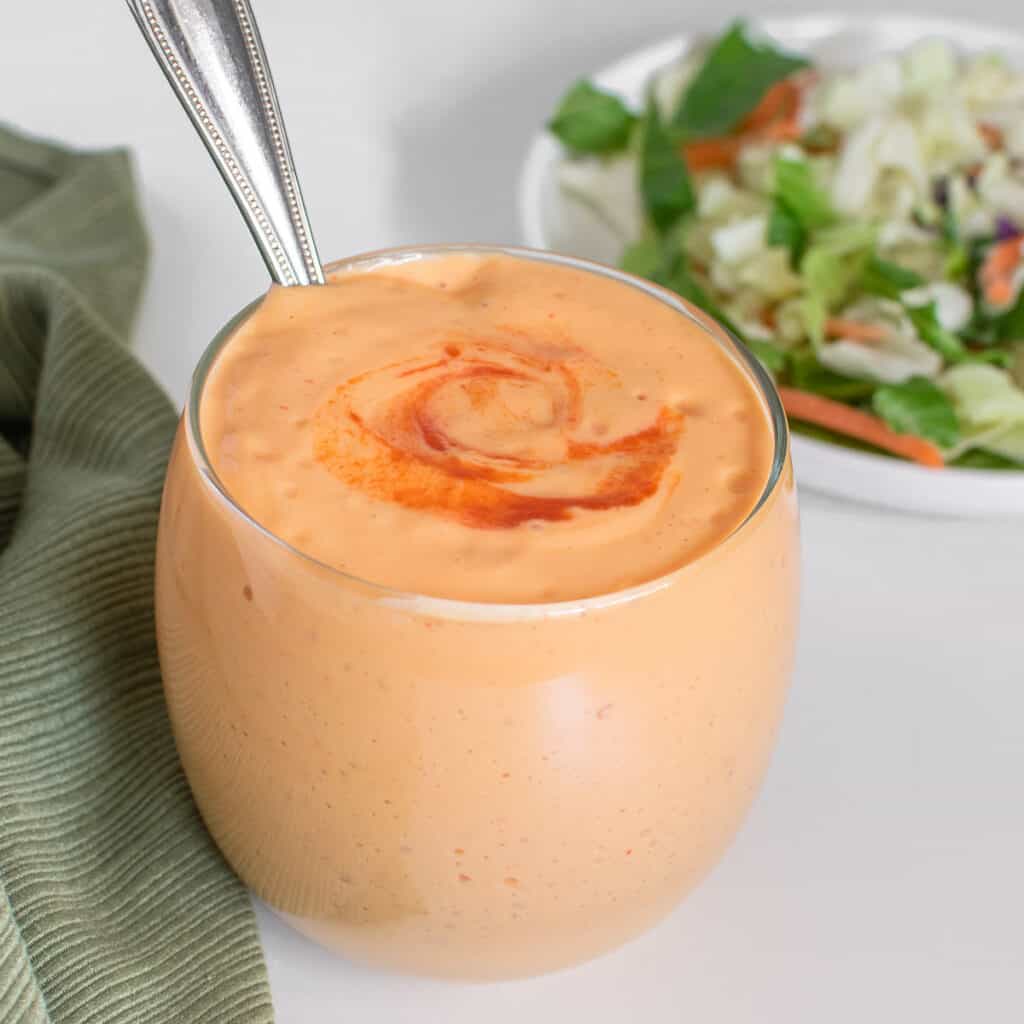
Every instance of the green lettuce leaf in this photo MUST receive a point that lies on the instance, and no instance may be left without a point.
(1000, 357)
(681, 281)
(1010, 325)
(796, 189)
(799, 207)
(918, 407)
(888, 280)
(891, 281)
(979, 458)
(589, 120)
(677, 276)
(958, 257)
(664, 179)
(956, 263)
(926, 324)
(831, 268)
(772, 358)
(644, 258)
(733, 79)
(807, 374)
(785, 230)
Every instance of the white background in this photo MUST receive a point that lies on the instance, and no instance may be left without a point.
(881, 875)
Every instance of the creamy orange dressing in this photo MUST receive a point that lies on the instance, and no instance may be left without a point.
(475, 789)
(487, 428)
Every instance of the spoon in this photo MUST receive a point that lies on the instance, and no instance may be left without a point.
(212, 54)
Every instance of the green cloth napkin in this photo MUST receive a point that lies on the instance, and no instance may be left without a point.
(115, 905)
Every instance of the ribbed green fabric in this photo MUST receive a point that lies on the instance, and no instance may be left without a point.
(115, 906)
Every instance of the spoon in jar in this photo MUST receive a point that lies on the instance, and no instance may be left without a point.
(212, 54)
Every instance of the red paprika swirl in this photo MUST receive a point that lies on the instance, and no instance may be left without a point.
(493, 433)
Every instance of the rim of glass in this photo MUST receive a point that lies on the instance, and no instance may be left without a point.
(429, 602)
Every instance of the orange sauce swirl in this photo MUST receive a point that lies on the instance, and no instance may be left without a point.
(412, 449)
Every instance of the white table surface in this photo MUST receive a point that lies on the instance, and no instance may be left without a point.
(881, 875)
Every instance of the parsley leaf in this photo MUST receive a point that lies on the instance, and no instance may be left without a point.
(664, 179)
(589, 120)
(917, 406)
(734, 77)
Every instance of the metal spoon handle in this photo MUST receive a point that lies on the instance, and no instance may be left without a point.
(212, 54)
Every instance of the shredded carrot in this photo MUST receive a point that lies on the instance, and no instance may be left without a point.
(855, 330)
(780, 102)
(717, 154)
(1002, 258)
(843, 419)
(776, 118)
(787, 130)
(997, 272)
(991, 133)
(999, 293)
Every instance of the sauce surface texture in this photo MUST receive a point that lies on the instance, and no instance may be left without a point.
(485, 427)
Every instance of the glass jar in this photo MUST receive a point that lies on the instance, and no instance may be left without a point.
(466, 789)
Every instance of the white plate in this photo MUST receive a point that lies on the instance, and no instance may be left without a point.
(551, 220)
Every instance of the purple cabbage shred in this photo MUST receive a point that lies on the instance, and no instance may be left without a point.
(1006, 229)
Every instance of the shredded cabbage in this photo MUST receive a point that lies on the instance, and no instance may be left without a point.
(739, 240)
(1000, 188)
(988, 82)
(715, 196)
(984, 396)
(897, 358)
(848, 100)
(881, 168)
(768, 273)
(990, 408)
(608, 186)
(929, 67)
(953, 306)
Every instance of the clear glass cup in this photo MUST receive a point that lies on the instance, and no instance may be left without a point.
(468, 789)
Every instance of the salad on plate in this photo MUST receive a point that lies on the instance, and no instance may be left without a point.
(861, 231)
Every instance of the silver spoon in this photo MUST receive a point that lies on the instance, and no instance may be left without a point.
(212, 54)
